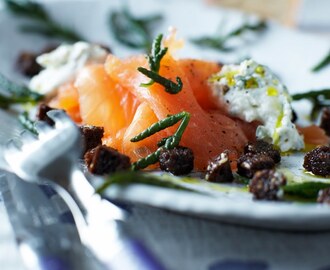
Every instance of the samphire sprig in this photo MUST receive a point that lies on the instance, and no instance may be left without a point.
(131, 31)
(167, 143)
(11, 93)
(220, 42)
(44, 24)
(154, 58)
(169, 86)
(157, 53)
(322, 64)
(319, 99)
(133, 177)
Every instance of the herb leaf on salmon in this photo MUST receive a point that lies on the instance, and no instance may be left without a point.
(167, 143)
(157, 53)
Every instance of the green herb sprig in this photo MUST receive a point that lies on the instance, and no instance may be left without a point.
(307, 190)
(319, 99)
(134, 177)
(154, 58)
(322, 64)
(16, 94)
(219, 42)
(170, 87)
(157, 53)
(167, 143)
(44, 24)
(131, 31)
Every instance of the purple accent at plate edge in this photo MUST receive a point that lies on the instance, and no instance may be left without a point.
(138, 256)
(324, 268)
(48, 190)
(54, 263)
(67, 217)
(239, 265)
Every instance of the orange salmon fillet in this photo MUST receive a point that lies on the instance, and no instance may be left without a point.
(208, 134)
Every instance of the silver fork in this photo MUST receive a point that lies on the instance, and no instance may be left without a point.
(52, 157)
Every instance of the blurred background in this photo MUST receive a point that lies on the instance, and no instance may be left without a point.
(309, 15)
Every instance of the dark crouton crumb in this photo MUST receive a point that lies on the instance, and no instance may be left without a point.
(248, 164)
(263, 147)
(324, 196)
(92, 136)
(317, 161)
(265, 185)
(219, 170)
(42, 114)
(104, 47)
(325, 120)
(26, 62)
(105, 160)
(179, 160)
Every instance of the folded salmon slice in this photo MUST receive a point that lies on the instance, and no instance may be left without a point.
(208, 133)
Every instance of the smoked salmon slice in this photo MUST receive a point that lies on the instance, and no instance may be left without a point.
(208, 133)
(198, 73)
(67, 99)
(105, 103)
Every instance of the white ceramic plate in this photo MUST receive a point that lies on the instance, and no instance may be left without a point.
(289, 53)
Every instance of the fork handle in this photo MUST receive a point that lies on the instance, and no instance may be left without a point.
(135, 256)
(131, 253)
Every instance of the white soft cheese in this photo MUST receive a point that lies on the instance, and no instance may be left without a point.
(62, 64)
(253, 93)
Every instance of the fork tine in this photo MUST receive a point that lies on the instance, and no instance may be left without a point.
(13, 146)
(43, 128)
(28, 136)
(12, 152)
(64, 122)
(60, 118)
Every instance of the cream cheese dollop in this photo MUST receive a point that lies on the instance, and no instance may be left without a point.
(62, 65)
(252, 92)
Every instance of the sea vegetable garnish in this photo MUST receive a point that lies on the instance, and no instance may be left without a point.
(319, 99)
(220, 42)
(134, 177)
(131, 31)
(154, 58)
(167, 143)
(170, 87)
(43, 24)
(307, 190)
(157, 53)
(11, 93)
(322, 64)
